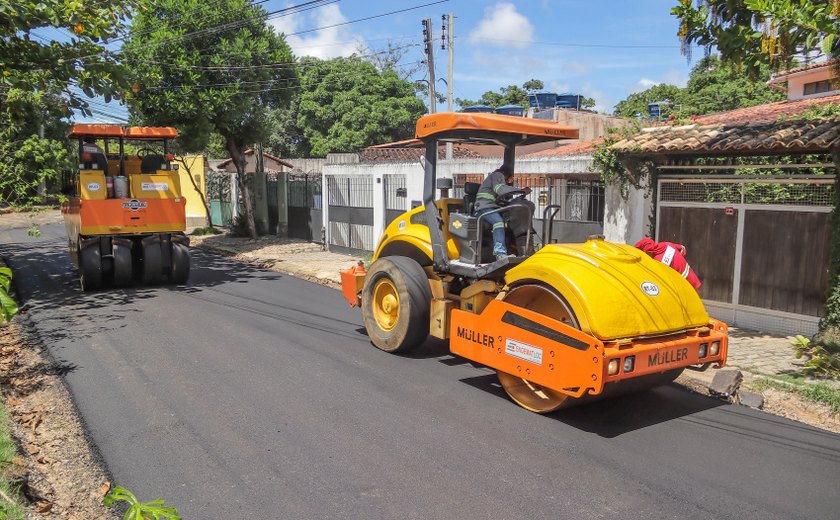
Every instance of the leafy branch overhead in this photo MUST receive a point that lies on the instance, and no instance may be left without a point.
(209, 68)
(31, 63)
(756, 33)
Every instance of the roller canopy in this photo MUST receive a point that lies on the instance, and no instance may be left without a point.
(96, 131)
(134, 132)
(481, 127)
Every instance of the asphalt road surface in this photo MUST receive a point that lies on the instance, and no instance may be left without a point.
(251, 394)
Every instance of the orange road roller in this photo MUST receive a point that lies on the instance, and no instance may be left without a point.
(124, 213)
(562, 324)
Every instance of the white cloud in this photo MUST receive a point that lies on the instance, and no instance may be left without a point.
(603, 103)
(325, 43)
(560, 88)
(576, 68)
(670, 77)
(503, 26)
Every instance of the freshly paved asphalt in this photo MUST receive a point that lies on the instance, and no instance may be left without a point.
(250, 394)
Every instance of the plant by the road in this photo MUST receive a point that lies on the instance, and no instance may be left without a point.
(9, 307)
(815, 392)
(9, 508)
(152, 510)
(822, 357)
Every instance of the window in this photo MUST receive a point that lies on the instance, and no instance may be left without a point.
(817, 87)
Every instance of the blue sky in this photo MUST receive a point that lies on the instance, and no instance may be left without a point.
(604, 49)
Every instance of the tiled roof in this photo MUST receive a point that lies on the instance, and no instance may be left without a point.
(766, 112)
(786, 73)
(409, 151)
(764, 137)
(578, 148)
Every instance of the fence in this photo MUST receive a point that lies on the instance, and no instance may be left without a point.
(350, 213)
(760, 245)
(305, 206)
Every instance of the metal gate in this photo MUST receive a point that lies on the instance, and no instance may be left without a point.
(575, 202)
(350, 213)
(305, 206)
(760, 246)
(396, 196)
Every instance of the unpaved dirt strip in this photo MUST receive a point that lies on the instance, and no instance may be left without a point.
(62, 475)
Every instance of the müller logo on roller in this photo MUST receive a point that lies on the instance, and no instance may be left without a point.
(134, 204)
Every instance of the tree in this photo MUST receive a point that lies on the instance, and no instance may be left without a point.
(287, 138)
(31, 64)
(209, 68)
(713, 86)
(587, 102)
(513, 95)
(533, 85)
(636, 104)
(346, 104)
(35, 87)
(510, 95)
(752, 33)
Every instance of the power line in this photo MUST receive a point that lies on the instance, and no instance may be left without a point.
(584, 45)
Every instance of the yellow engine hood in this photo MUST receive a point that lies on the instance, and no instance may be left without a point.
(603, 282)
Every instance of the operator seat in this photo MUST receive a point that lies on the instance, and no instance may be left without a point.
(470, 192)
(151, 163)
(97, 161)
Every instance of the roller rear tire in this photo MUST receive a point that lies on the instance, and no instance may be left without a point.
(396, 303)
(180, 272)
(152, 270)
(90, 268)
(123, 264)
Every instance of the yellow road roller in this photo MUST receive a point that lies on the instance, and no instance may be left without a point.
(561, 324)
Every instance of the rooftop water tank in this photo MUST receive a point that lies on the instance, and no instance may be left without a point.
(659, 109)
(478, 108)
(542, 100)
(511, 110)
(569, 101)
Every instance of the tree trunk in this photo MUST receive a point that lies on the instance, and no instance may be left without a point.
(238, 157)
(198, 190)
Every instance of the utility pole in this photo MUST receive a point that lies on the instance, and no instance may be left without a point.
(447, 41)
(430, 62)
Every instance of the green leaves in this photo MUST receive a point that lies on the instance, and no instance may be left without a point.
(8, 307)
(755, 33)
(713, 86)
(152, 510)
(33, 64)
(347, 104)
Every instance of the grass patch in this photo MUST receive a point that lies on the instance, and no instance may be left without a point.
(205, 231)
(815, 392)
(8, 450)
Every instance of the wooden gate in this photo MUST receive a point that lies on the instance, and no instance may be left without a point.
(760, 245)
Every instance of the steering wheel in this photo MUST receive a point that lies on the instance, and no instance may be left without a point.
(507, 198)
(143, 152)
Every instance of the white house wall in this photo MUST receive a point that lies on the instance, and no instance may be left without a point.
(624, 221)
